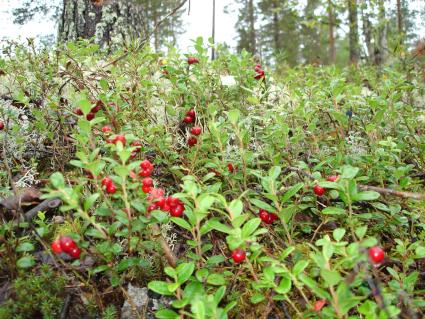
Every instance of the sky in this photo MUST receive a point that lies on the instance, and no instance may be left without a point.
(197, 22)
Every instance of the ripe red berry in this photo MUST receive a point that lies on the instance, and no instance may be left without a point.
(90, 116)
(177, 211)
(106, 129)
(1, 126)
(192, 60)
(238, 255)
(257, 67)
(191, 141)
(111, 188)
(332, 178)
(67, 244)
(106, 181)
(146, 165)
(165, 208)
(138, 145)
(75, 252)
(319, 191)
(172, 201)
(145, 173)
(230, 167)
(148, 182)
(146, 189)
(272, 217)
(191, 113)
(196, 130)
(376, 254)
(160, 202)
(119, 138)
(78, 111)
(260, 75)
(188, 119)
(56, 246)
(264, 216)
(97, 107)
(151, 208)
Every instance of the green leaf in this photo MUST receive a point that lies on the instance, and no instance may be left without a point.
(349, 172)
(166, 314)
(367, 195)
(284, 285)
(291, 192)
(299, 267)
(216, 279)
(160, 287)
(219, 294)
(262, 205)
(182, 223)
(57, 180)
(250, 227)
(25, 262)
(89, 201)
(184, 271)
(198, 309)
(257, 298)
(205, 202)
(333, 211)
(338, 233)
(235, 208)
(25, 247)
(215, 224)
(312, 284)
(274, 172)
(233, 116)
(331, 277)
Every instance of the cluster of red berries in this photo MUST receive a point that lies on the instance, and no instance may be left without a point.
(91, 115)
(1, 126)
(319, 191)
(146, 168)
(138, 146)
(109, 185)
(66, 245)
(267, 217)
(196, 130)
(192, 60)
(167, 204)
(259, 72)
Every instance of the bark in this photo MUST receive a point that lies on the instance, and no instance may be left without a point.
(354, 34)
(399, 18)
(111, 22)
(331, 36)
(213, 33)
(367, 32)
(382, 46)
(276, 31)
(251, 23)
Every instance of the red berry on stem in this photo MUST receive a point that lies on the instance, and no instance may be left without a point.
(90, 116)
(145, 173)
(196, 130)
(177, 211)
(56, 246)
(191, 113)
(192, 60)
(332, 178)
(191, 141)
(165, 208)
(376, 254)
(160, 202)
(146, 189)
(111, 188)
(106, 129)
(146, 165)
(238, 255)
(230, 167)
(318, 305)
(148, 182)
(257, 67)
(264, 215)
(119, 138)
(188, 119)
(67, 243)
(151, 208)
(75, 252)
(319, 191)
(1, 126)
(273, 217)
(106, 181)
(260, 75)
(78, 111)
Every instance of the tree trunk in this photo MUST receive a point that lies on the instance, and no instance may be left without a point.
(399, 18)
(251, 23)
(367, 32)
(382, 46)
(331, 37)
(112, 22)
(354, 33)
(276, 31)
(213, 33)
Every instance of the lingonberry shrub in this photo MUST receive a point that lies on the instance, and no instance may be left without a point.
(276, 209)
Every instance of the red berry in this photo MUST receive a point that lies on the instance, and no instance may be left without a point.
(196, 130)
(238, 255)
(172, 201)
(191, 141)
(138, 146)
(133, 154)
(148, 182)
(78, 111)
(146, 189)
(264, 216)
(98, 107)
(192, 60)
(88, 174)
(230, 167)
(188, 119)
(1, 126)
(165, 208)
(273, 217)
(56, 246)
(318, 305)
(75, 252)
(332, 178)
(146, 165)
(257, 68)
(90, 116)
(106, 129)
(156, 194)
(376, 254)
(106, 181)
(260, 75)
(160, 202)
(191, 113)
(145, 173)
(319, 191)
(67, 244)
(151, 208)
(119, 138)
(177, 211)
(111, 188)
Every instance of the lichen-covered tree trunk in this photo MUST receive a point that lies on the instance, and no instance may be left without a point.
(107, 21)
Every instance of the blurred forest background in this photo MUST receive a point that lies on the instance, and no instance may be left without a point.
(284, 32)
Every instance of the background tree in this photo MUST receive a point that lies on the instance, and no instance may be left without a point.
(354, 31)
(247, 38)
